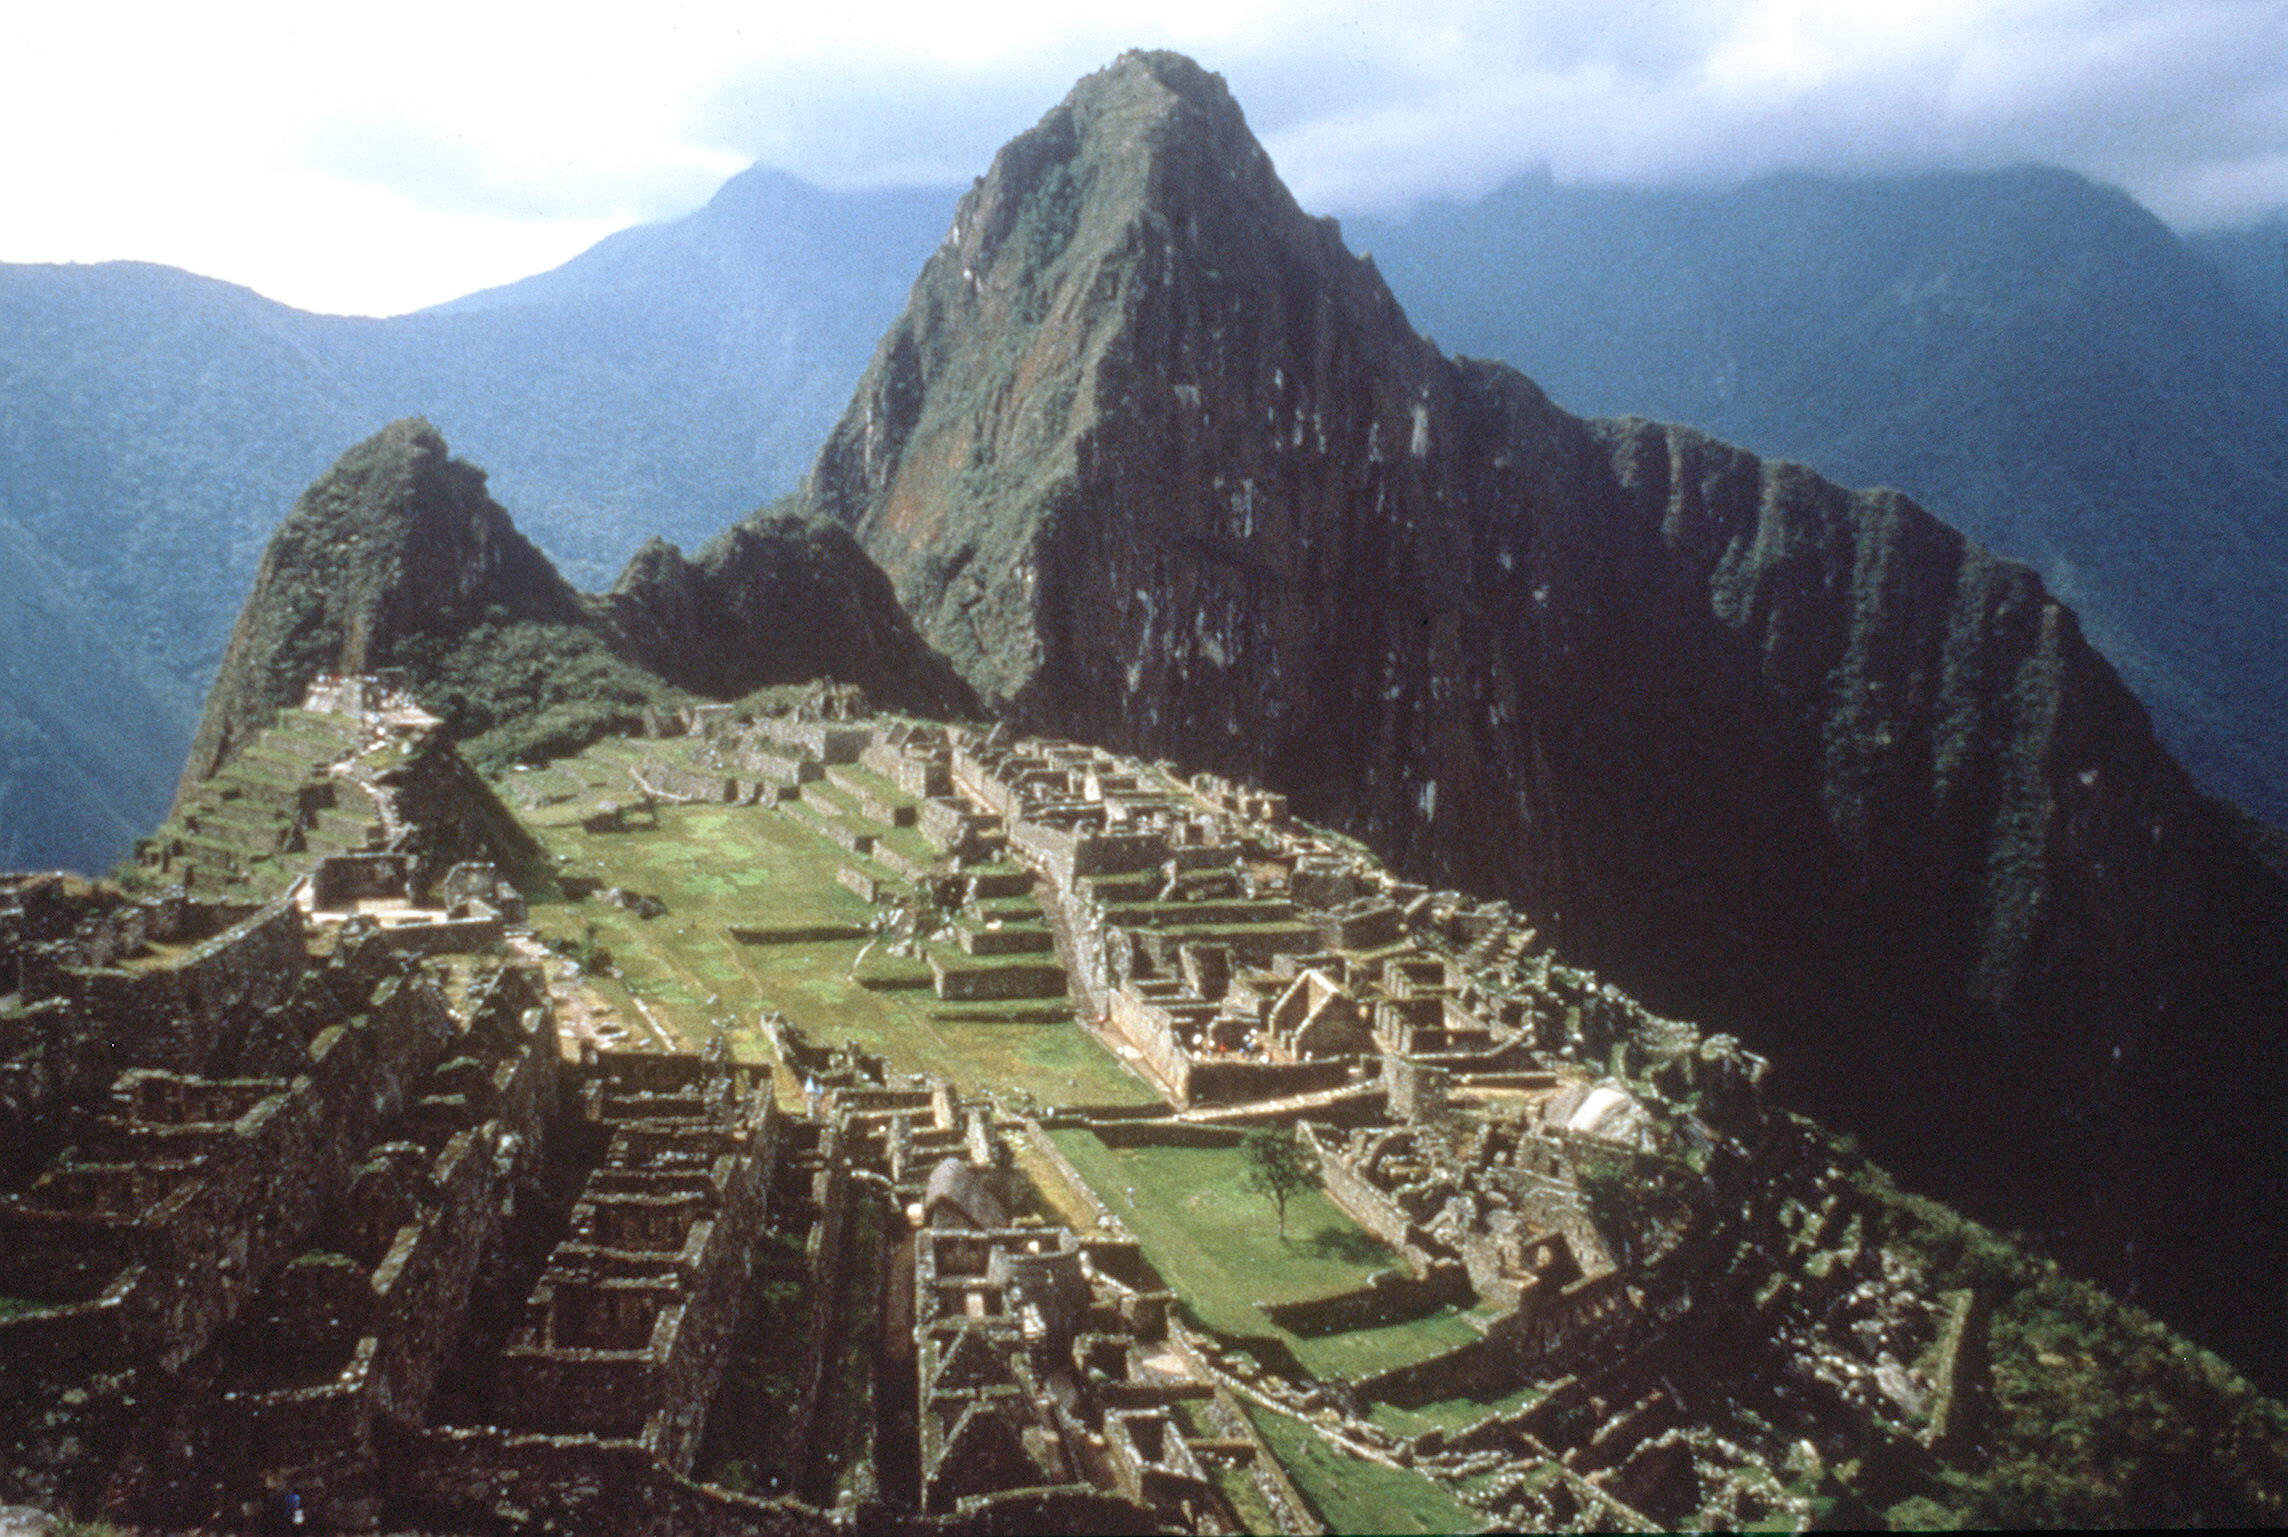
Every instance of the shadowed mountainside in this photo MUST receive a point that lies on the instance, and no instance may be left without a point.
(778, 598)
(2036, 355)
(398, 558)
(1156, 462)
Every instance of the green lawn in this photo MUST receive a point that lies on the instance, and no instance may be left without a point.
(1217, 1244)
(1356, 1496)
(1450, 1414)
(721, 867)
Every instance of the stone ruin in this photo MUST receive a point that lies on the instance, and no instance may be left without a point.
(279, 1213)
(359, 791)
(282, 1215)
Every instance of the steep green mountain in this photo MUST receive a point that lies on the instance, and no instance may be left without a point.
(398, 558)
(2037, 356)
(154, 426)
(1158, 463)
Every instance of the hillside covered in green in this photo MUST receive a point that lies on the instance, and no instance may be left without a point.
(398, 559)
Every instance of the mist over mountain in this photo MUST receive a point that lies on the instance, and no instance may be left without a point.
(1158, 463)
(154, 426)
(673, 377)
(2035, 356)
(2253, 259)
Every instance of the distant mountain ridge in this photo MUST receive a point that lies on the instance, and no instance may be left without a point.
(2035, 356)
(155, 425)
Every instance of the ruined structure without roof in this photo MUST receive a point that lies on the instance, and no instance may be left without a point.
(359, 1197)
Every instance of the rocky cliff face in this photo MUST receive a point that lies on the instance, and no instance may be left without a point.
(2035, 355)
(778, 598)
(1155, 461)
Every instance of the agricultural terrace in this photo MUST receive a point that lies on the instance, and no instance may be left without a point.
(757, 912)
(768, 873)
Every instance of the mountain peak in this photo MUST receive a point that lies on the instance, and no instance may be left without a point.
(1176, 75)
(1129, 268)
(1158, 464)
(397, 543)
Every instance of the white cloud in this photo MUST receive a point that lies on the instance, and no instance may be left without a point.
(374, 158)
(2155, 95)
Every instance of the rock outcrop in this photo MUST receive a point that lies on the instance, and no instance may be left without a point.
(777, 598)
(1159, 464)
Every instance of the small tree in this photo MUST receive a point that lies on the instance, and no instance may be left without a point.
(1278, 1167)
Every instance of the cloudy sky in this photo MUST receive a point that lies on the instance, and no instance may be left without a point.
(371, 159)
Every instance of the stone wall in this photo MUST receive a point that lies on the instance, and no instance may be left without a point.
(1068, 856)
(1142, 1133)
(978, 984)
(831, 1266)
(867, 795)
(1223, 1081)
(903, 866)
(919, 774)
(786, 771)
(661, 776)
(422, 1283)
(1389, 1297)
(191, 1014)
(1016, 939)
(208, 1232)
(319, 1438)
(50, 1055)
(818, 741)
(1152, 1032)
(953, 829)
(864, 884)
(341, 879)
(446, 936)
(625, 1333)
(1369, 1205)
(478, 1479)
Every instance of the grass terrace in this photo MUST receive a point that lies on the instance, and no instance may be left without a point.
(761, 871)
(1218, 1246)
(1356, 1496)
